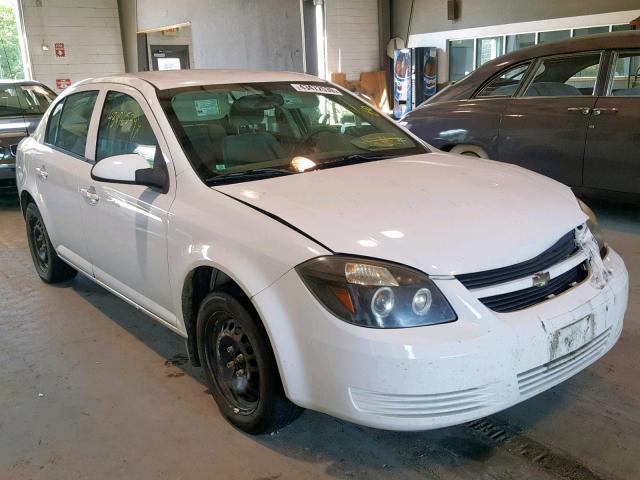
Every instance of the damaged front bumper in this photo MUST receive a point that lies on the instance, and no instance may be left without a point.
(440, 375)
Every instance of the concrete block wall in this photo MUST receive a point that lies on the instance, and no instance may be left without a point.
(90, 31)
(352, 37)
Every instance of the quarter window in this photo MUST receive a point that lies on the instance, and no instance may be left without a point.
(124, 129)
(571, 76)
(626, 75)
(70, 131)
(506, 84)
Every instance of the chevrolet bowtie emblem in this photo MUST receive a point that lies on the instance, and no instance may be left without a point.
(541, 279)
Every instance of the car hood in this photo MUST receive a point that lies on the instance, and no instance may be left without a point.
(443, 214)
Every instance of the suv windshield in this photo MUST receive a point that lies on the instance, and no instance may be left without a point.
(242, 132)
(24, 100)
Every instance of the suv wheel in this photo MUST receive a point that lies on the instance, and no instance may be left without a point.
(49, 266)
(240, 366)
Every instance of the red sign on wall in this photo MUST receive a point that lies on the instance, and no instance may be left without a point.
(60, 52)
(62, 83)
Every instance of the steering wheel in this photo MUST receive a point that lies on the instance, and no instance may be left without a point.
(312, 133)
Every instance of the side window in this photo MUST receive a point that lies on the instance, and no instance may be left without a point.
(54, 123)
(124, 129)
(74, 121)
(626, 75)
(506, 83)
(570, 76)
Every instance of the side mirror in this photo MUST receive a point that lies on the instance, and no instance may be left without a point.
(132, 169)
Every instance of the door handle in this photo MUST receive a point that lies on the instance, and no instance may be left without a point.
(42, 173)
(600, 111)
(583, 110)
(90, 195)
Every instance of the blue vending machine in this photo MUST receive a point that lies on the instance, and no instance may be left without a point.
(402, 87)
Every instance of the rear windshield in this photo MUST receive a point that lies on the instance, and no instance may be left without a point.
(16, 100)
(286, 127)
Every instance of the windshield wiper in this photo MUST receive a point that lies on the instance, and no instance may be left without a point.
(352, 160)
(247, 175)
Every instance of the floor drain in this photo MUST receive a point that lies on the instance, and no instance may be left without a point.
(508, 438)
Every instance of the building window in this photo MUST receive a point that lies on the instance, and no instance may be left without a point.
(544, 37)
(488, 49)
(578, 32)
(460, 59)
(621, 28)
(522, 40)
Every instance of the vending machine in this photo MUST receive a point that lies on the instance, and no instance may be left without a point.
(425, 61)
(402, 87)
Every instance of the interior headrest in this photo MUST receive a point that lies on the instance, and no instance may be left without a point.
(294, 100)
(200, 106)
(254, 104)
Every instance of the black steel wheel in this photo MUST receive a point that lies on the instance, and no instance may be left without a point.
(240, 366)
(50, 268)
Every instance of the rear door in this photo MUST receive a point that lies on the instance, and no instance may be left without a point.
(59, 163)
(612, 154)
(544, 129)
(474, 121)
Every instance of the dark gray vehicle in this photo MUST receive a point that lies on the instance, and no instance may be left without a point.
(569, 110)
(22, 104)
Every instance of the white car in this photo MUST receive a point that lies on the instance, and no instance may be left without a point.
(349, 269)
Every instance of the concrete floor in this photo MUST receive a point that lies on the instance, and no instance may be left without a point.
(90, 388)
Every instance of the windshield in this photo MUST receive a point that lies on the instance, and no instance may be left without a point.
(24, 100)
(235, 132)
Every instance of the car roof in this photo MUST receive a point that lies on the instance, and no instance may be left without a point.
(602, 41)
(189, 78)
(465, 88)
(10, 81)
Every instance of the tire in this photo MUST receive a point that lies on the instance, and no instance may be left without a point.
(240, 366)
(469, 150)
(49, 266)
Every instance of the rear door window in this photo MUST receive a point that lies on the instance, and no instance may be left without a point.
(569, 76)
(626, 75)
(506, 83)
(70, 131)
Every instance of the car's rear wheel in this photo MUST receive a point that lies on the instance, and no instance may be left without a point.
(49, 266)
(469, 150)
(240, 366)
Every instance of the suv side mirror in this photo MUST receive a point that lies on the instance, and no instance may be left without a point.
(133, 169)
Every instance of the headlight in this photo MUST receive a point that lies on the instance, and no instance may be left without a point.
(594, 228)
(375, 294)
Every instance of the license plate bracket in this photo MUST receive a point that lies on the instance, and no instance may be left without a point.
(573, 336)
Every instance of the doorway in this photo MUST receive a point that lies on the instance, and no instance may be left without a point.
(169, 57)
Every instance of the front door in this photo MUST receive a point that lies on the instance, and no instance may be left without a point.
(170, 57)
(545, 129)
(60, 162)
(612, 155)
(126, 225)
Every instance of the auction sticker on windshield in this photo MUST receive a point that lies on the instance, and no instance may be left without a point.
(300, 87)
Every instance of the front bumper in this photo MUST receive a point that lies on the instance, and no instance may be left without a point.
(7, 177)
(436, 376)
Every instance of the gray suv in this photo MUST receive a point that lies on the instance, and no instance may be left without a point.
(22, 104)
(569, 110)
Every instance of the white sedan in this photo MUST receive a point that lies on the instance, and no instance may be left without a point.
(315, 254)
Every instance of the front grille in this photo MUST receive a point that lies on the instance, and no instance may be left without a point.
(527, 297)
(514, 301)
(563, 248)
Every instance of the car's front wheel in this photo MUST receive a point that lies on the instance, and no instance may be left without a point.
(49, 266)
(240, 366)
